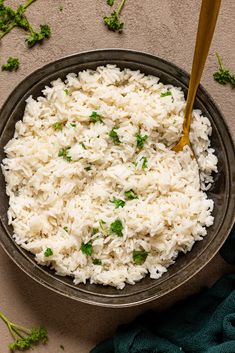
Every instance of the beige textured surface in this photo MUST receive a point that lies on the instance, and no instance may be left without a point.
(165, 28)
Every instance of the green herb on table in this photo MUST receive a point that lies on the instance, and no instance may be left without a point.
(10, 18)
(113, 21)
(114, 136)
(116, 227)
(139, 256)
(223, 75)
(96, 118)
(58, 125)
(165, 94)
(118, 202)
(48, 252)
(144, 161)
(11, 65)
(63, 152)
(130, 195)
(87, 248)
(140, 140)
(37, 37)
(24, 338)
(97, 262)
(110, 2)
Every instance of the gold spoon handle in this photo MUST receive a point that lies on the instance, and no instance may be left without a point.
(206, 26)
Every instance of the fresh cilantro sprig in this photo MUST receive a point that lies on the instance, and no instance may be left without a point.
(110, 2)
(113, 21)
(11, 65)
(139, 256)
(10, 18)
(223, 75)
(24, 338)
(63, 152)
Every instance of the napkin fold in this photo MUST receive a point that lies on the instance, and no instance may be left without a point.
(203, 323)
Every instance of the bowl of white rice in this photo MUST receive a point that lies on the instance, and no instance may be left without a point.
(95, 204)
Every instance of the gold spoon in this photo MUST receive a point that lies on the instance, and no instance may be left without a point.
(206, 26)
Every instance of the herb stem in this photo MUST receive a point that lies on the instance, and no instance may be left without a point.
(120, 7)
(219, 61)
(27, 3)
(7, 30)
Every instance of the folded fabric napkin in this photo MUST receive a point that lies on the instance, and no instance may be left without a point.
(203, 323)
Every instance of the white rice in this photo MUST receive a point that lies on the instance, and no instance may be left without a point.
(49, 193)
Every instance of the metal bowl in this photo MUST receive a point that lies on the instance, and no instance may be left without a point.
(222, 191)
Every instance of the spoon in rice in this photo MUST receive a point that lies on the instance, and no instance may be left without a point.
(206, 26)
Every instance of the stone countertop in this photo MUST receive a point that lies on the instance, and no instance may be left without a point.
(163, 28)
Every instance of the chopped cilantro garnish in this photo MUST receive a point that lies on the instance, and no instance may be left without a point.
(165, 94)
(73, 124)
(82, 144)
(140, 140)
(96, 118)
(139, 256)
(12, 63)
(58, 126)
(118, 202)
(87, 248)
(130, 195)
(63, 152)
(66, 91)
(94, 231)
(114, 136)
(66, 229)
(48, 252)
(97, 262)
(88, 168)
(144, 162)
(117, 227)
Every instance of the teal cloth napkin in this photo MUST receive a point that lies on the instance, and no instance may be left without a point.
(203, 323)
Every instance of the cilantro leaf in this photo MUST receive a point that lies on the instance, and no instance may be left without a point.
(130, 195)
(63, 152)
(116, 227)
(66, 91)
(144, 162)
(73, 124)
(66, 229)
(48, 252)
(87, 248)
(165, 94)
(97, 262)
(140, 140)
(11, 65)
(114, 136)
(139, 256)
(110, 2)
(118, 202)
(96, 118)
(58, 125)
(37, 37)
